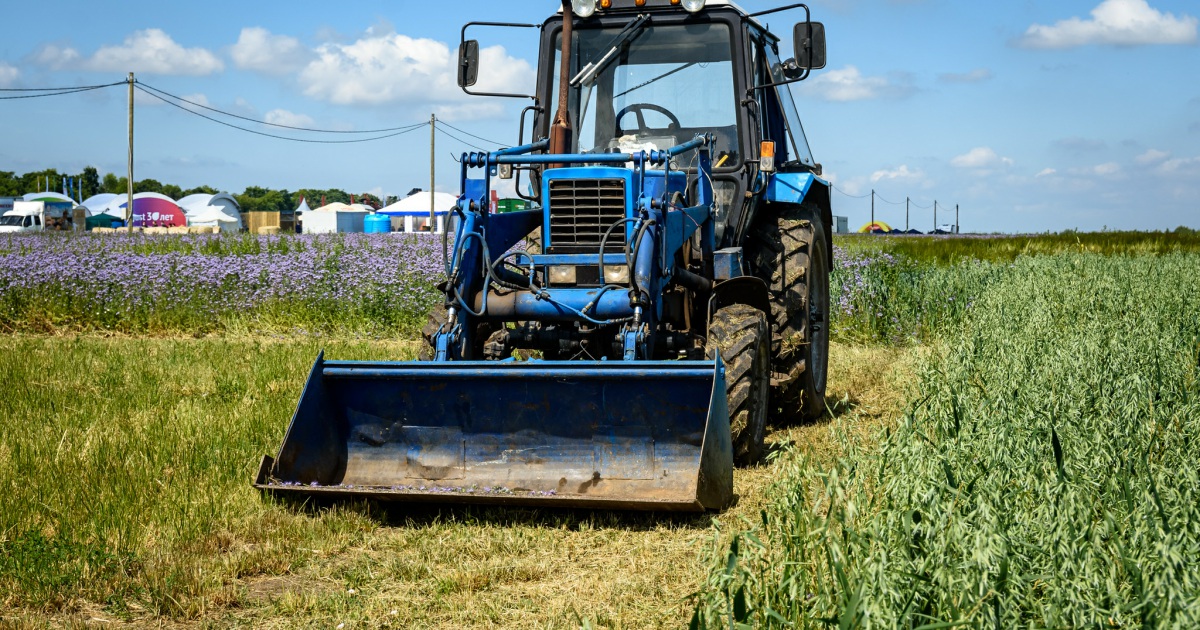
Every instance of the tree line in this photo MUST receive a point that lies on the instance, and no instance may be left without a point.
(253, 198)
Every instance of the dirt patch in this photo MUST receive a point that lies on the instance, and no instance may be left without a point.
(267, 589)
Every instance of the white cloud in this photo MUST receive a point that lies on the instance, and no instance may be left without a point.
(290, 119)
(1181, 165)
(980, 157)
(1152, 156)
(974, 76)
(244, 107)
(259, 50)
(846, 84)
(149, 51)
(56, 57)
(394, 68)
(900, 172)
(8, 74)
(1108, 168)
(152, 51)
(1046, 172)
(1117, 23)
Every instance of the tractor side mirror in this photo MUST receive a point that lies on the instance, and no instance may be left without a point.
(468, 63)
(809, 40)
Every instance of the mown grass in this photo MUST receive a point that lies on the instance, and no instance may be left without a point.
(1044, 473)
(126, 463)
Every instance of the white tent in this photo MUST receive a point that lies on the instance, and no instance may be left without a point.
(413, 211)
(303, 207)
(210, 216)
(98, 204)
(338, 206)
(442, 202)
(197, 207)
(48, 196)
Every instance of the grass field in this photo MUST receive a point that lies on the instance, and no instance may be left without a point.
(1044, 472)
(126, 470)
(1012, 443)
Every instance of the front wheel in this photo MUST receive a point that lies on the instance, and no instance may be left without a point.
(788, 250)
(741, 335)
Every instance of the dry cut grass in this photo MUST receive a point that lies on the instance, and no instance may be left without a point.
(126, 465)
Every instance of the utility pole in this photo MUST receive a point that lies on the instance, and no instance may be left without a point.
(432, 139)
(906, 214)
(956, 230)
(129, 183)
(935, 215)
(872, 209)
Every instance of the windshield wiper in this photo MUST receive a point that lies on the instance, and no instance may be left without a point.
(588, 74)
(661, 76)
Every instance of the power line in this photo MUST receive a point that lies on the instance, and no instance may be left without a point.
(232, 115)
(271, 135)
(54, 91)
(473, 146)
(880, 197)
(61, 89)
(440, 122)
(849, 195)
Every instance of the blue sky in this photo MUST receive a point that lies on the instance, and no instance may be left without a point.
(1030, 116)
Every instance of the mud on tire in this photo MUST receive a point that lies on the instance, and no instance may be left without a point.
(786, 247)
(741, 335)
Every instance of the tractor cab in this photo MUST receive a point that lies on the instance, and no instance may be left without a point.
(651, 74)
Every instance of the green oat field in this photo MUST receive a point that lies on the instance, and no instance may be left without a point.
(1012, 442)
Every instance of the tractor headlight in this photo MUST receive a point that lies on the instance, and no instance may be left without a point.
(585, 8)
(693, 6)
(616, 274)
(562, 274)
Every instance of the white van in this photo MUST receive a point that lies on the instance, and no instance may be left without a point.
(26, 216)
(31, 216)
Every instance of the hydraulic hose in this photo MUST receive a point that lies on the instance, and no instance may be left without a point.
(604, 245)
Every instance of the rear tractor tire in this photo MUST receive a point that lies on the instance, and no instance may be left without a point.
(787, 249)
(742, 336)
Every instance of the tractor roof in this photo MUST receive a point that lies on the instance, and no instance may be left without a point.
(629, 5)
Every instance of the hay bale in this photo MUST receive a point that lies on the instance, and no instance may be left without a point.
(154, 230)
(178, 230)
(268, 229)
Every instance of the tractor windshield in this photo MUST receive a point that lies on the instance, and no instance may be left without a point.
(652, 87)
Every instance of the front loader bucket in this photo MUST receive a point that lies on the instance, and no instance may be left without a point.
(649, 435)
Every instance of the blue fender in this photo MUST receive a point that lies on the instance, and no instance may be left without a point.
(791, 187)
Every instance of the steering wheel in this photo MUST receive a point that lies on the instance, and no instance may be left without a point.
(637, 109)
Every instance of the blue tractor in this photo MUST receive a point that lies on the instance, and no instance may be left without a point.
(623, 343)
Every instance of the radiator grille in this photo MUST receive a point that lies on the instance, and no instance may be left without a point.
(581, 210)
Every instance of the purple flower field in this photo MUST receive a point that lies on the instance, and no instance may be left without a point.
(144, 283)
(366, 284)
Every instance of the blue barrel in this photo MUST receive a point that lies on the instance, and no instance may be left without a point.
(117, 223)
(377, 224)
